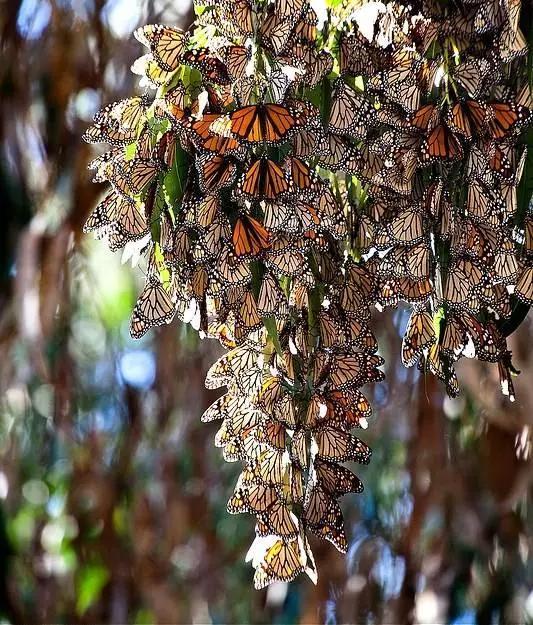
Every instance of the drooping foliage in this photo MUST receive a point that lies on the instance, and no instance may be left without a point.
(294, 170)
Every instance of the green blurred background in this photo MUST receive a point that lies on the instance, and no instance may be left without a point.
(112, 496)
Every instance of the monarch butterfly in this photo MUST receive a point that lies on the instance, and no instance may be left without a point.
(486, 16)
(238, 422)
(129, 113)
(524, 96)
(133, 176)
(408, 226)
(224, 146)
(309, 142)
(258, 123)
(105, 213)
(329, 329)
(337, 154)
(276, 31)
(323, 517)
(406, 94)
(289, 8)
(247, 318)
(512, 44)
(355, 370)
(504, 117)
(337, 446)
(154, 308)
(130, 225)
(153, 74)
(237, 15)
(419, 335)
(453, 337)
(330, 214)
(286, 255)
(524, 285)
(271, 392)
(399, 178)
(440, 365)
(320, 66)
(234, 435)
(425, 118)
(166, 44)
(483, 204)
(177, 98)
(271, 300)
(215, 172)
(277, 520)
(506, 263)
(111, 132)
(205, 139)
(305, 30)
(489, 344)
(499, 162)
(283, 409)
(251, 496)
(463, 277)
(351, 113)
(357, 334)
(441, 143)
(283, 561)
(414, 262)
(475, 74)
(231, 269)
(212, 68)
(278, 84)
(300, 174)
(225, 406)
(231, 365)
(414, 291)
(271, 466)
(401, 64)
(215, 236)
(467, 117)
(277, 215)
(370, 162)
(528, 239)
(236, 59)
(356, 58)
(354, 293)
(264, 180)
(337, 479)
(201, 127)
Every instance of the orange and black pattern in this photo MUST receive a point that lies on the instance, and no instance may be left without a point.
(291, 176)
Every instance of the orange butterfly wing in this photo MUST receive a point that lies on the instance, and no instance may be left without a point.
(250, 237)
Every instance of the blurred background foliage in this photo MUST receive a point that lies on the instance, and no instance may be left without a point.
(112, 496)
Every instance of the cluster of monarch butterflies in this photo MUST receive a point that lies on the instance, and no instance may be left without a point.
(285, 178)
(433, 138)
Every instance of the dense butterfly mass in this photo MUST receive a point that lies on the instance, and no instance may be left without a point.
(286, 176)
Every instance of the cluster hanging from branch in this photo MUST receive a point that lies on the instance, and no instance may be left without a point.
(290, 174)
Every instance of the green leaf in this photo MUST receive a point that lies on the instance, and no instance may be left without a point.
(173, 182)
(89, 585)
(130, 151)
(272, 330)
(438, 318)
